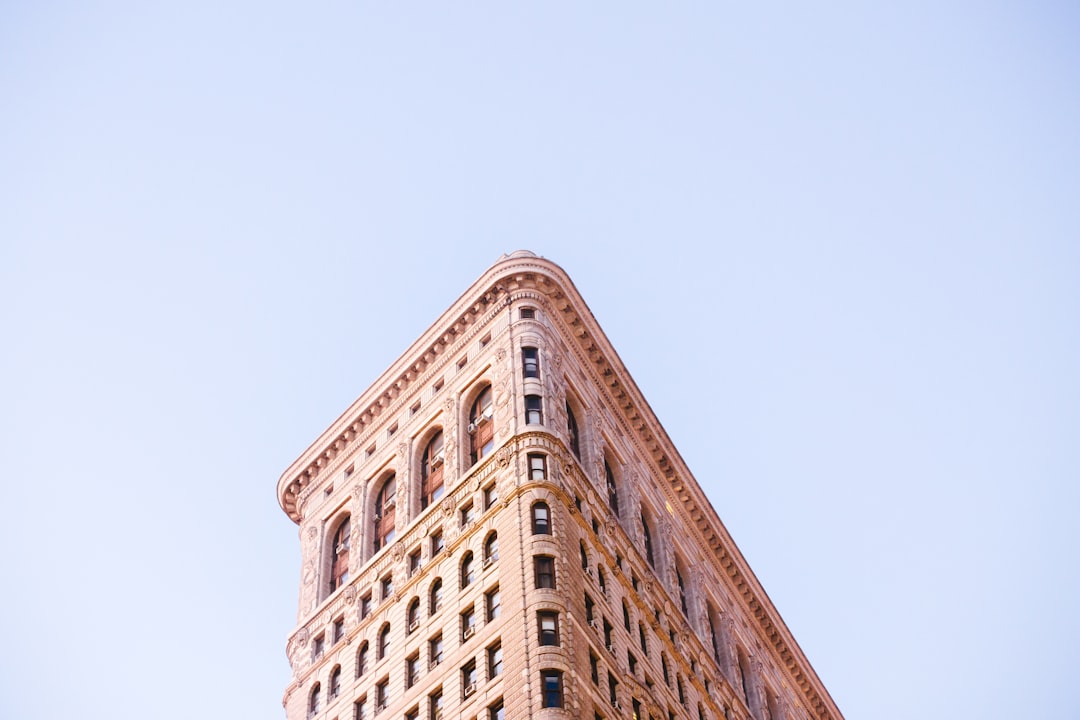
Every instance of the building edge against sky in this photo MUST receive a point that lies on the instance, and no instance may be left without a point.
(500, 527)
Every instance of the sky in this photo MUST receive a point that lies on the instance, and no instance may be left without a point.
(837, 247)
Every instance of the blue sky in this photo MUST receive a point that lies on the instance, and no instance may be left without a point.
(837, 247)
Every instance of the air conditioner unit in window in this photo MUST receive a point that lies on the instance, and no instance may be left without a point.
(390, 502)
(414, 625)
(488, 561)
(468, 633)
(594, 624)
(590, 572)
(341, 547)
(434, 663)
(615, 704)
(486, 414)
(472, 427)
(469, 689)
(436, 461)
(611, 648)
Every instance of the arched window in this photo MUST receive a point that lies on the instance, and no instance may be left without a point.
(572, 431)
(743, 666)
(541, 519)
(491, 549)
(385, 512)
(481, 428)
(431, 471)
(612, 489)
(647, 534)
(339, 565)
(413, 615)
(584, 556)
(335, 682)
(468, 572)
(384, 641)
(435, 597)
(714, 632)
(361, 660)
(315, 699)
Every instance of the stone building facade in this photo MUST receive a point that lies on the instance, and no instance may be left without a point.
(500, 528)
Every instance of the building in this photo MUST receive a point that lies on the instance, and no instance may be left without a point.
(500, 528)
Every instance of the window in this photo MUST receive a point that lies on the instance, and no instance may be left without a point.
(435, 597)
(713, 633)
(681, 691)
(572, 432)
(335, 682)
(494, 661)
(382, 694)
(552, 694)
(584, 556)
(385, 503)
(625, 616)
(612, 490)
(339, 629)
(527, 313)
(601, 579)
(641, 638)
(317, 647)
(664, 668)
(541, 524)
(537, 466)
(613, 688)
(491, 496)
(413, 714)
(361, 660)
(438, 543)
(548, 624)
(360, 709)
(544, 570)
(468, 572)
(682, 590)
(590, 606)
(386, 588)
(339, 565)
(534, 410)
(481, 429)
(530, 360)
(631, 661)
(314, 699)
(468, 679)
(365, 606)
(496, 711)
(468, 514)
(412, 669)
(647, 535)
(493, 603)
(431, 471)
(414, 562)
(594, 668)
(435, 650)
(607, 635)
(468, 623)
(384, 641)
(435, 705)
(491, 549)
(412, 615)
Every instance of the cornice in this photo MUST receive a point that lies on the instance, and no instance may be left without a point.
(524, 272)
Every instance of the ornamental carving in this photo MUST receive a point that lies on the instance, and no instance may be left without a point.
(447, 507)
(504, 456)
(398, 553)
(448, 403)
(609, 527)
(350, 594)
(500, 354)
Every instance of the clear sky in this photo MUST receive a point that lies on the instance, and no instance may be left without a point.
(837, 246)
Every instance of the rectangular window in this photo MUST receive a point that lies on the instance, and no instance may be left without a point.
(435, 650)
(435, 705)
(491, 496)
(530, 359)
(382, 694)
(360, 709)
(492, 603)
(365, 606)
(537, 466)
(413, 714)
(552, 693)
(613, 688)
(339, 629)
(589, 607)
(494, 660)
(534, 410)
(468, 623)
(386, 586)
(594, 668)
(414, 562)
(412, 670)
(317, 647)
(527, 313)
(468, 679)
(438, 543)
(548, 624)
(496, 711)
(468, 515)
(544, 570)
